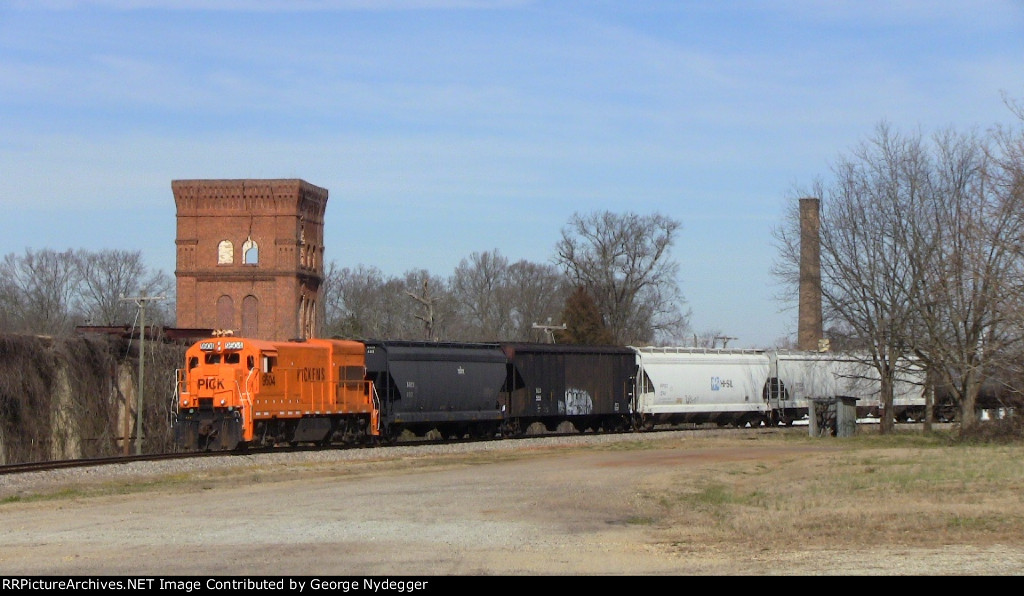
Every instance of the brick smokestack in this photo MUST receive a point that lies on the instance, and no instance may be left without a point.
(809, 330)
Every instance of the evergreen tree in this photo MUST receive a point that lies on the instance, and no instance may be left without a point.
(583, 321)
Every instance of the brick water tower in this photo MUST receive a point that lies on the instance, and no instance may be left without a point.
(250, 256)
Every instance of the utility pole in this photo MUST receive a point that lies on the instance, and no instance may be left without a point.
(725, 340)
(140, 301)
(549, 330)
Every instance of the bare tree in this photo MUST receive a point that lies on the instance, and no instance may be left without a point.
(110, 275)
(362, 303)
(49, 292)
(969, 300)
(916, 258)
(43, 288)
(10, 303)
(866, 260)
(622, 260)
(498, 301)
(481, 290)
(539, 294)
(433, 303)
(331, 310)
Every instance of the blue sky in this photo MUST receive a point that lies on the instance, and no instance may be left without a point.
(446, 127)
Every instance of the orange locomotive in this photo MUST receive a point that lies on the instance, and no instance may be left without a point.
(237, 391)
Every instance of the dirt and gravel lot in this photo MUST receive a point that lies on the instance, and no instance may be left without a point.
(507, 508)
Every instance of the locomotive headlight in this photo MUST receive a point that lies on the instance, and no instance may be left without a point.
(222, 402)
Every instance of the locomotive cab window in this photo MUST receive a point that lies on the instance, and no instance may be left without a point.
(193, 362)
(213, 359)
(351, 373)
(249, 362)
(269, 363)
(350, 376)
(234, 358)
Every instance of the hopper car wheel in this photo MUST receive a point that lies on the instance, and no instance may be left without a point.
(390, 434)
(511, 429)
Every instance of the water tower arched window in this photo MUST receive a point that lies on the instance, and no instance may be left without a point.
(250, 252)
(225, 252)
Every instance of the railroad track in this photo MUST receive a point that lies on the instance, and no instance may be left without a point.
(41, 466)
(44, 466)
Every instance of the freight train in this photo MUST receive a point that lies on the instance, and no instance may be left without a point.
(236, 392)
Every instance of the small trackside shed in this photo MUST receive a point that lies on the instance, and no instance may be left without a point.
(588, 386)
(454, 388)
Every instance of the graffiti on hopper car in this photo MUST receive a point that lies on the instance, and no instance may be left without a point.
(577, 402)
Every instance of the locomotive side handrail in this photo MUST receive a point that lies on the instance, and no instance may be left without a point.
(181, 380)
(246, 396)
(375, 414)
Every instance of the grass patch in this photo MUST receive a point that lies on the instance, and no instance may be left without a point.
(901, 489)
